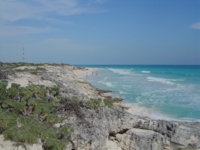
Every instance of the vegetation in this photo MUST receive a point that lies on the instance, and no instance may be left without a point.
(32, 71)
(26, 115)
(109, 103)
(11, 66)
(96, 103)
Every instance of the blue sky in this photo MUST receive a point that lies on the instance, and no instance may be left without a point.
(100, 31)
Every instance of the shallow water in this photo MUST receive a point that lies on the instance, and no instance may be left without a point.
(160, 92)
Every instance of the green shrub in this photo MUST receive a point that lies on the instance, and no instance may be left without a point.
(33, 72)
(54, 144)
(8, 103)
(7, 119)
(25, 94)
(40, 69)
(3, 85)
(108, 103)
(26, 114)
(55, 103)
(20, 134)
(43, 107)
(48, 132)
(12, 92)
(75, 100)
(42, 91)
(52, 119)
(55, 89)
(94, 103)
(27, 130)
(14, 85)
(2, 98)
(19, 107)
(66, 130)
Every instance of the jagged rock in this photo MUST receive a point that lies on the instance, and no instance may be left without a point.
(138, 139)
(186, 136)
(118, 125)
(112, 145)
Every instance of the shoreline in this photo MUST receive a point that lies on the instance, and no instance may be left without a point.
(86, 72)
(132, 108)
(104, 127)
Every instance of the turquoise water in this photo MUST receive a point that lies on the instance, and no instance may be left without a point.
(160, 92)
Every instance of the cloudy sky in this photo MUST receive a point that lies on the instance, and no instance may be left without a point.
(100, 31)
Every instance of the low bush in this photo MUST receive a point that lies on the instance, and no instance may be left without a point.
(109, 103)
(94, 103)
(26, 114)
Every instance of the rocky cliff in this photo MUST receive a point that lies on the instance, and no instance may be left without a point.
(101, 128)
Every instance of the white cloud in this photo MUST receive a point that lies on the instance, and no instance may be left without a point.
(196, 26)
(14, 10)
(12, 31)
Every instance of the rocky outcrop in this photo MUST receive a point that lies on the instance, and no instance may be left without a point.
(123, 130)
(106, 128)
(135, 139)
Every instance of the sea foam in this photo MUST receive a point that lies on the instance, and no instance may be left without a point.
(144, 71)
(147, 112)
(121, 71)
(109, 84)
(160, 80)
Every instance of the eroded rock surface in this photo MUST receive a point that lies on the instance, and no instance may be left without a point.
(132, 132)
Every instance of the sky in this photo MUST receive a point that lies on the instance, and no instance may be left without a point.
(100, 31)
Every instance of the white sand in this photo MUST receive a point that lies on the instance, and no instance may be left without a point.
(83, 72)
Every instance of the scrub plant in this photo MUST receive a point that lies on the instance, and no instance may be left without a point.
(94, 103)
(109, 103)
(26, 115)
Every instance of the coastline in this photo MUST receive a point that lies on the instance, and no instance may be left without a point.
(82, 73)
(104, 127)
(160, 92)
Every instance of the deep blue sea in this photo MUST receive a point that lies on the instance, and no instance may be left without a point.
(157, 91)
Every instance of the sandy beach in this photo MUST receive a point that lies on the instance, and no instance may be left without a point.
(83, 72)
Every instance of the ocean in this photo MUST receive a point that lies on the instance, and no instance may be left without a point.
(169, 92)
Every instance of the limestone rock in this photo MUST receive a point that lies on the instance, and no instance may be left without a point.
(112, 145)
(138, 139)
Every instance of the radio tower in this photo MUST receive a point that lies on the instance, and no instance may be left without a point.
(23, 58)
